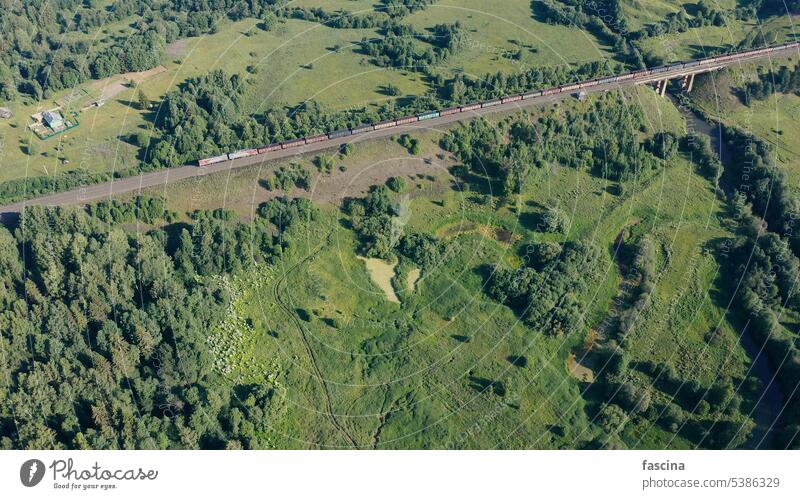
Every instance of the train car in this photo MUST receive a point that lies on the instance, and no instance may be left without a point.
(490, 103)
(269, 148)
(292, 143)
(339, 133)
(244, 153)
(449, 110)
(428, 116)
(470, 107)
(511, 98)
(212, 160)
(385, 124)
(550, 91)
(362, 129)
(531, 95)
(568, 88)
(589, 83)
(406, 120)
(317, 138)
(691, 64)
(603, 81)
(626, 77)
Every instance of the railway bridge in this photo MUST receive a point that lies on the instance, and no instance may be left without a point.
(687, 78)
(248, 157)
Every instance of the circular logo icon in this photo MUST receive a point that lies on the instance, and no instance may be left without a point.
(31, 472)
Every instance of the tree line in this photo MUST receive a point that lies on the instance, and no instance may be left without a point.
(784, 81)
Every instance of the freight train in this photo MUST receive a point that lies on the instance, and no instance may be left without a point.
(566, 88)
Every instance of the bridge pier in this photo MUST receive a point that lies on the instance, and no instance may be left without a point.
(661, 87)
(689, 83)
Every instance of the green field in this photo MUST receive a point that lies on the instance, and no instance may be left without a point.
(408, 375)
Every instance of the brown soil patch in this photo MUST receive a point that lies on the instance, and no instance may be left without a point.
(579, 371)
(176, 48)
(113, 85)
(381, 274)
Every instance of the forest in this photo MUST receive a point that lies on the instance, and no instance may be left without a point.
(139, 373)
(603, 139)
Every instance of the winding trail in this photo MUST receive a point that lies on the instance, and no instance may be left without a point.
(287, 309)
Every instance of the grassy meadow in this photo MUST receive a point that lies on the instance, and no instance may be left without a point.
(413, 374)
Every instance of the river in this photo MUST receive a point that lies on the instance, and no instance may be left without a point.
(770, 402)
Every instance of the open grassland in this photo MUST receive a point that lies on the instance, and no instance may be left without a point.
(697, 43)
(415, 373)
(639, 13)
(493, 34)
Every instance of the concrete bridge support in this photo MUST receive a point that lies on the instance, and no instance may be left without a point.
(688, 82)
(661, 87)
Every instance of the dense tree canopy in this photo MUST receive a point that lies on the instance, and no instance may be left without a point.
(104, 334)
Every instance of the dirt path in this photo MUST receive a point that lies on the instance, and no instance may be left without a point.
(114, 85)
(279, 298)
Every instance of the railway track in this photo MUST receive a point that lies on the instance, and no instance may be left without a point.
(432, 119)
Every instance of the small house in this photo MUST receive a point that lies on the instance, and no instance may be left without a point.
(5, 113)
(53, 119)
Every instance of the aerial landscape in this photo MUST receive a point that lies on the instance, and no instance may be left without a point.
(399, 224)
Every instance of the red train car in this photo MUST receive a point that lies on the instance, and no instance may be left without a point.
(449, 110)
(511, 98)
(470, 107)
(406, 120)
(269, 148)
(385, 124)
(292, 143)
(316, 138)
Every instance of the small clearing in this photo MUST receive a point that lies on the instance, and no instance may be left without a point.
(381, 274)
(411, 280)
(499, 234)
(578, 370)
(177, 48)
(114, 85)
